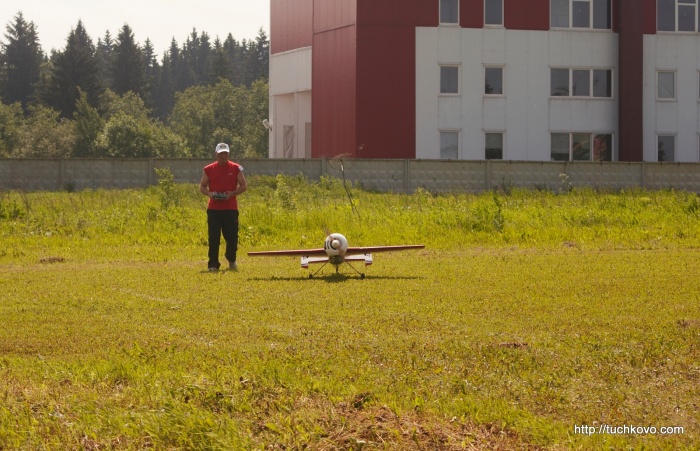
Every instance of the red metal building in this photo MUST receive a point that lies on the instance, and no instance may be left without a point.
(362, 77)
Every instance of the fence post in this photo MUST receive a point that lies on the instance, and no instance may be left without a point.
(488, 175)
(406, 176)
(151, 172)
(61, 173)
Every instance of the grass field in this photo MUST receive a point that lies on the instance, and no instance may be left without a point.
(531, 318)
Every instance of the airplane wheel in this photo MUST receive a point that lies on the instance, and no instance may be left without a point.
(362, 276)
(311, 276)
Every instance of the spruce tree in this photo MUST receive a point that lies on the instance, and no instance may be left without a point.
(75, 69)
(127, 64)
(21, 62)
(104, 49)
(151, 74)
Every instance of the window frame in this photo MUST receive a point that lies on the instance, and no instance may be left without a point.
(593, 7)
(503, 143)
(589, 149)
(658, 143)
(451, 132)
(457, 4)
(676, 17)
(499, 24)
(591, 90)
(503, 81)
(459, 81)
(658, 86)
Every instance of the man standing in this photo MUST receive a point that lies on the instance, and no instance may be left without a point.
(221, 182)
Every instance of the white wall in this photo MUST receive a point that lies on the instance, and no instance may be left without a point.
(680, 117)
(525, 113)
(290, 100)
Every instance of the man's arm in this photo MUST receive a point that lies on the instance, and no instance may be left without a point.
(242, 186)
(204, 185)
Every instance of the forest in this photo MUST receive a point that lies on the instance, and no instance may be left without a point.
(117, 98)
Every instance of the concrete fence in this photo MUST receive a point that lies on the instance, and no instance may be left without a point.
(380, 175)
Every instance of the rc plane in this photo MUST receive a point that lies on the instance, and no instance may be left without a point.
(336, 251)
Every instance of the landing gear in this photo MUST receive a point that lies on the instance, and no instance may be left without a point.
(361, 274)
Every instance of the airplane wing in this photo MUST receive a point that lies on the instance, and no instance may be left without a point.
(306, 261)
(370, 249)
(293, 252)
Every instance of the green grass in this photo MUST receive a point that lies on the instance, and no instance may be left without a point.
(528, 313)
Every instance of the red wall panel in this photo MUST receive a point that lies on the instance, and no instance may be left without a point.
(427, 13)
(291, 25)
(471, 13)
(631, 25)
(526, 14)
(386, 87)
(330, 14)
(415, 13)
(334, 92)
(649, 11)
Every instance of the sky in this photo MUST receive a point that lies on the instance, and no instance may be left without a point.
(158, 20)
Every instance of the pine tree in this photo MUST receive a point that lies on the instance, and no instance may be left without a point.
(75, 69)
(127, 64)
(218, 68)
(232, 51)
(259, 57)
(164, 95)
(105, 46)
(151, 74)
(21, 62)
(203, 60)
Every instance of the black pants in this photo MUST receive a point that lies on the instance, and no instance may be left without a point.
(226, 222)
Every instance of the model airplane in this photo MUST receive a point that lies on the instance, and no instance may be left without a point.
(336, 251)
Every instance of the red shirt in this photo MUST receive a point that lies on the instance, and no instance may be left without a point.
(223, 178)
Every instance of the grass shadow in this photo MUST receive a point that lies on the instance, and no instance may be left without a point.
(332, 278)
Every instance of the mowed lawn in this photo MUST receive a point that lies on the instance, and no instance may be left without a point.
(517, 343)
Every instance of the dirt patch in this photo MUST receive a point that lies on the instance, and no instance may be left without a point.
(688, 323)
(378, 427)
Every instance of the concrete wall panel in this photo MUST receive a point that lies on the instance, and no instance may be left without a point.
(382, 175)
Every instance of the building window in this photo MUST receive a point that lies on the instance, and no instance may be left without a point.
(666, 85)
(667, 147)
(581, 146)
(602, 147)
(581, 14)
(449, 145)
(494, 146)
(449, 11)
(449, 80)
(560, 147)
(591, 14)
(602, 83)
(677, 15)
(493, 12)
(581, 82)
(602, 14)
(559, 82)
(493, 81)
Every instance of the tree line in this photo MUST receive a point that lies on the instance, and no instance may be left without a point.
(117, 98)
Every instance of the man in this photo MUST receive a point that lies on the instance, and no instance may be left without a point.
(221, 182)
